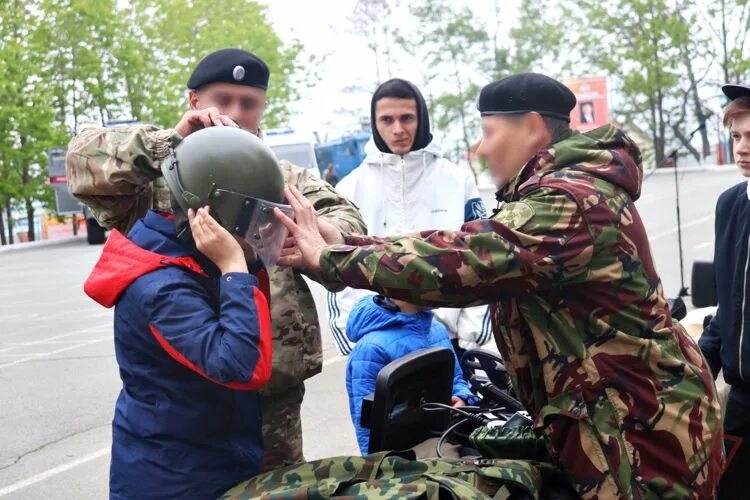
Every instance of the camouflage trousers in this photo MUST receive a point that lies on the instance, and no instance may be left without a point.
(282, 428)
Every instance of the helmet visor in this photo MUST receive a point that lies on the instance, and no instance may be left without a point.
(266, 233)
(256, 223)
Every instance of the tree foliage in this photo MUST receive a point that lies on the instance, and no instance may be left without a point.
(28, 124)
(452, 46)
(66, 63)
(664, 59)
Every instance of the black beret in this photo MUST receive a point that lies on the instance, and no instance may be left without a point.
(735, 91)
(524, 93)
(230, 66)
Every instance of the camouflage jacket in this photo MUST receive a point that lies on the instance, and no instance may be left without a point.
(397, 476)
(622, 395)
(115, 172)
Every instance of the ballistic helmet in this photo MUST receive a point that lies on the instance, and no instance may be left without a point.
(238, 177)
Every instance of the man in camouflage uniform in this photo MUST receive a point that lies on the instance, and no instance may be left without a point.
(621, 394)
(116, 173)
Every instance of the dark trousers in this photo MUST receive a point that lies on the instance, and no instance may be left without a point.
(459, 351)
(734, 482)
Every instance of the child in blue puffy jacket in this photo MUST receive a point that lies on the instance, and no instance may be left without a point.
(385, 330)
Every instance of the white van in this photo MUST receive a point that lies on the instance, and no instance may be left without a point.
(294, 147)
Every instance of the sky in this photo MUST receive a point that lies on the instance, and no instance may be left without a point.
(324, 28)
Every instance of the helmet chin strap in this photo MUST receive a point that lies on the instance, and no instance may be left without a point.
(182, 225)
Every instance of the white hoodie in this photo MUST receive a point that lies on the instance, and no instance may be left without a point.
(402, 194)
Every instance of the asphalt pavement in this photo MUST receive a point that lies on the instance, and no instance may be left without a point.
(59, 379)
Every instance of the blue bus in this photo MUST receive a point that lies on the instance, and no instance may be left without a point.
(344, 154)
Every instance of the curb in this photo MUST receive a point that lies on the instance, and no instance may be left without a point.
(657, 171)
(687, 170)
(18, 247)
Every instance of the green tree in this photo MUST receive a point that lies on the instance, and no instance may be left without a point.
(537, 38)
(27, 114)
(453, 48)
(64, 63)
(81, 60)
(373, 19)
(135, 52)
(638, 42)
(729, 21)
(180, 41)
(695, 47)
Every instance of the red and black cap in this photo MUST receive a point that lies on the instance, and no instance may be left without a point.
(230, 66)
(527, 93)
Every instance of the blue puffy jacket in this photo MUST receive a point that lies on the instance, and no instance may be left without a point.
(192, 347)
(382, 336)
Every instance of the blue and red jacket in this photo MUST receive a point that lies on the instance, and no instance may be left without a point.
(193, 347)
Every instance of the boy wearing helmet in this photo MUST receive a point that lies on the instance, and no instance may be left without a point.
(192, 349)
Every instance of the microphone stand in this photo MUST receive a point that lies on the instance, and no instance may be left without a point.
(673, 156)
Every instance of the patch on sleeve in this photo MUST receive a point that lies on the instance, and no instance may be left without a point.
(474, 209)
(515, 214)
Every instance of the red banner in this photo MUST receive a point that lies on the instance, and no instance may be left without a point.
(592, 110)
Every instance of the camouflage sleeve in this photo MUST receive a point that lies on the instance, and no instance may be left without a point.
(327, 202)
(111, 170)
(538, 243)
(362, 240)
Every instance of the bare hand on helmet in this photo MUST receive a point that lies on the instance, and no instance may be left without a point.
(197, 119)
(216, 243)
(305, 231)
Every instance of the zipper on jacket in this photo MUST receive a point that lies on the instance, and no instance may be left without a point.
(382, 196)
(744, 303)
(403, 190)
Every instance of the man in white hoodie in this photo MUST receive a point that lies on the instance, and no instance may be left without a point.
(405, 185)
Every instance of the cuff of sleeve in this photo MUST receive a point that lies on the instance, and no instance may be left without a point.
(468, 397)
(328, 275)
(235, 280)
(355, 239)
(158, 142)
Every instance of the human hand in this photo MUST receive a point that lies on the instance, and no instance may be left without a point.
(216, 243)
(290, 253)
(194, 120)
(305, 250)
